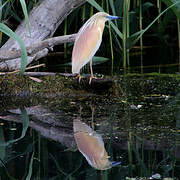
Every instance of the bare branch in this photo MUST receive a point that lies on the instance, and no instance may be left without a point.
(34, 48)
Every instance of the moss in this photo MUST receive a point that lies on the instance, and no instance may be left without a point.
(15, 84)
(127, 85)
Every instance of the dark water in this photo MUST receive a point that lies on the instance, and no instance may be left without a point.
(138, 119)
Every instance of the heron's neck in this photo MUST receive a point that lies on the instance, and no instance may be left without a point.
(100, 24)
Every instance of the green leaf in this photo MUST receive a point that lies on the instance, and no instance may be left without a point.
(96, 5)
(6, 30)
(143, 31)
(118, 32)
(131, 39)
(99, 8)
(176, 8)
(23, 4)
(30, 168)
(112, 6)
(1, 7)
(96, 60)
(2, 149)
(99, 60)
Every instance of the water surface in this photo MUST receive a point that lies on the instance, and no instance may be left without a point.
(138, 119)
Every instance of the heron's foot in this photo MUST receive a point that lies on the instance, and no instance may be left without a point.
(78, 77)
(90, 79)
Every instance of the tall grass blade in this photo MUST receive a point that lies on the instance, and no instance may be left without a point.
(141, 27)
(159, 9)
(2, 149)
(128, 28)
(6, 30)
(91, 11)
(0, 10)
(176, 8)
(143, 31)
(102, 3)
(1, 7)
(24, 8)
(96, 5)
(83, 13)
(111, 2)
(99, 8)
(140, 23)
(178, 27)
(30, 168)
(117, 40)
(113, 5)
(110, 38)
(118, 32)
(111, 45)
(124, 27)
(0, 38)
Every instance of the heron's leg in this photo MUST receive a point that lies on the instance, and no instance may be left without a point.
(78, 77)
(91, 68)
(92, 76)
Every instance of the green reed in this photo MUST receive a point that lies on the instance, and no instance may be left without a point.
(83, 13)
(141, 28)
(126, 32)
(102, 4)
(4, 29)
(178, 29)
(110, 38)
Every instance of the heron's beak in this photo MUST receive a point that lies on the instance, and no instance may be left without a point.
(112, 17)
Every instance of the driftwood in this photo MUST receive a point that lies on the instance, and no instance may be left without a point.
(44, 20)
(35, 48)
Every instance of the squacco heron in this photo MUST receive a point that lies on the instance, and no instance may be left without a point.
(88, 41)
(91, 145)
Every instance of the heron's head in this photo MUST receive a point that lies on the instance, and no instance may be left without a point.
(103, 16)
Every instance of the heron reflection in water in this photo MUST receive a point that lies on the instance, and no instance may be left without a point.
(91, 145)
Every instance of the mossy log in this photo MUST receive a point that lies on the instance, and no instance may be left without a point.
(53, 84)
